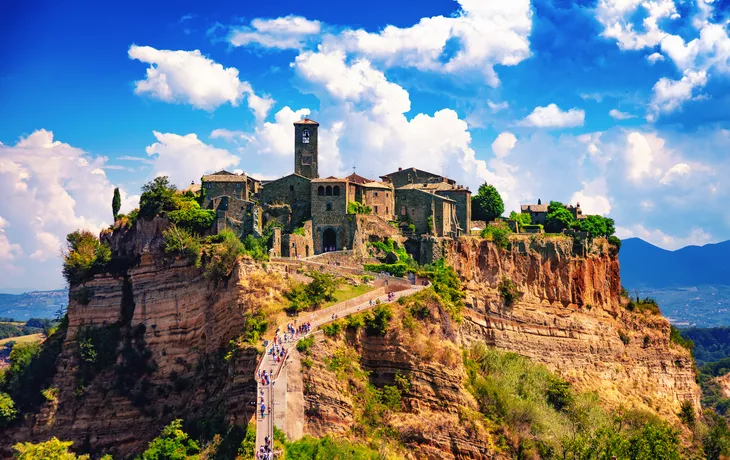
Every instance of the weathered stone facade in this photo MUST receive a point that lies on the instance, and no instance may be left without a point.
(292, 190)
(414, 176)
(298, 246)
(224, 183)
(331, 228)
(380, 197)
(430, 213)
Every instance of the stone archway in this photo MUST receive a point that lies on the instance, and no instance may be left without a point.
(329, 240)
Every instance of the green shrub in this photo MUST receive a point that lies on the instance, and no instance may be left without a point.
(355, 321)
(646, 304)
(180, 241)
(304, 346)
(223, 256)
(194, 220)
(8, 412)
(303, 297)
(172, 444)
(687, 414)
(615, 241)
(157, 196)
(377, 320)
(398, 269)
(446, 285)
(84, 257)
(298, 231)
(498, 233)
(309, 448)
(333, 329)
(523, 218)
(392, 398)
(53, 449)
(676, 337)
(354, 207)
(509, 291)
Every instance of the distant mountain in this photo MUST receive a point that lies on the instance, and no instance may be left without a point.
(644, 265)
(692, 284)
(37, 304)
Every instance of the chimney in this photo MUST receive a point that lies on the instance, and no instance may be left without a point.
(538, 201)
(400, 169)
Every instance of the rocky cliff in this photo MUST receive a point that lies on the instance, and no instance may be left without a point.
(566, 313)
(169, 331)
(166, 331)
(571, 317)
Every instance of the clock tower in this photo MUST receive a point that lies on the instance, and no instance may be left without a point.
(306, 151)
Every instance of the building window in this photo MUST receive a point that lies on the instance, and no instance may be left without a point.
(329, 206)
(386, 210)
(306, 159)
(376, 193)
(305, 136)
(291, 188)
(376, 209)
(320, 191)
(328, 190)
(336, 190)
(238, 186)
(402, 210)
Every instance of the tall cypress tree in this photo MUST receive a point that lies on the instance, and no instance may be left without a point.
(116, 203)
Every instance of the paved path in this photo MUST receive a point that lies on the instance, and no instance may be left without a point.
(276, 391)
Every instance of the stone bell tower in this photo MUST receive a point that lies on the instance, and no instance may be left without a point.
(306, 153)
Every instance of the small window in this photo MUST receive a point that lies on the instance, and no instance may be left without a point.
(386, 210)
(329, 206)
(402, 210)
(376, 209)
(238, 186)
(320, 191)
(305, 136)
(336, 190)
(376, 193)
(328, 190)
(306, 159)
(291, 188)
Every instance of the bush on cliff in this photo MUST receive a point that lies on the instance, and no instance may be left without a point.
(498, 233)
(194, 220)
(306, 297)
(181, 241)
(172, 444)
(53, 449)
(223, 256)
(85, 255)
(8, 412)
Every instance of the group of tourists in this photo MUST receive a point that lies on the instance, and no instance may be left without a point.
(264, 452)
(277, 352)
(264, 377)
(303, 328)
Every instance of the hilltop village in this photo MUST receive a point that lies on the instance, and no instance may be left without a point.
(314, 215)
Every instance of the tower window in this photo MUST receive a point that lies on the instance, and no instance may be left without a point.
(305, 136)
(328, 190)
(376, 193)
(306, 159)
(329, 206)
(336, 190)
(320, 191)
(376, 209)
(291, 188)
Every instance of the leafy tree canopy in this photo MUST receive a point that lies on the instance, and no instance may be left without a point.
(157, 195)
(172, 444)
(487, 204)
(85, 254)
(116, 203)
(53, 449)
(522, 218)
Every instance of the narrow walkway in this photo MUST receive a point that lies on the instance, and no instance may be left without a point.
(273, 396)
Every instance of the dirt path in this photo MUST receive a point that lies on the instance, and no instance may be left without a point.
(273, 395)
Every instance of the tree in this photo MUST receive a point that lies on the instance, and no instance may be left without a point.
(85, 255)
(487, 204)
(116, 203)
(53, 449)
(558, 218)
(522, 218)
(157, 195)
(8, 412)
(172, 444)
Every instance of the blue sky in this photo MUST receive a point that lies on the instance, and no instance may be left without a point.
(620, 105)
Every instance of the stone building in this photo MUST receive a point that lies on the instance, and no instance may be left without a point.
(330, 227)
(379, 196)
(232, 196)
(412, 178)
(287, 200)
(431, 214)
(537, 212)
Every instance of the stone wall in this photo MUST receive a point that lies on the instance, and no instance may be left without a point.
(296, 246)
(329, 212)
(420, 205)
(306, 155)
(413, 176)
(462, 197)
(213, 190)
(292, 190)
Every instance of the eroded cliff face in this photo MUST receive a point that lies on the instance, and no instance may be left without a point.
(171, 329)
(571, 317)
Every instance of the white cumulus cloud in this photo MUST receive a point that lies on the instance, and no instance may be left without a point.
(619, 115)
(552, 117)
(191, 78)
(186, 158)
(671, 94)
(503, 144)
(289, 32)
